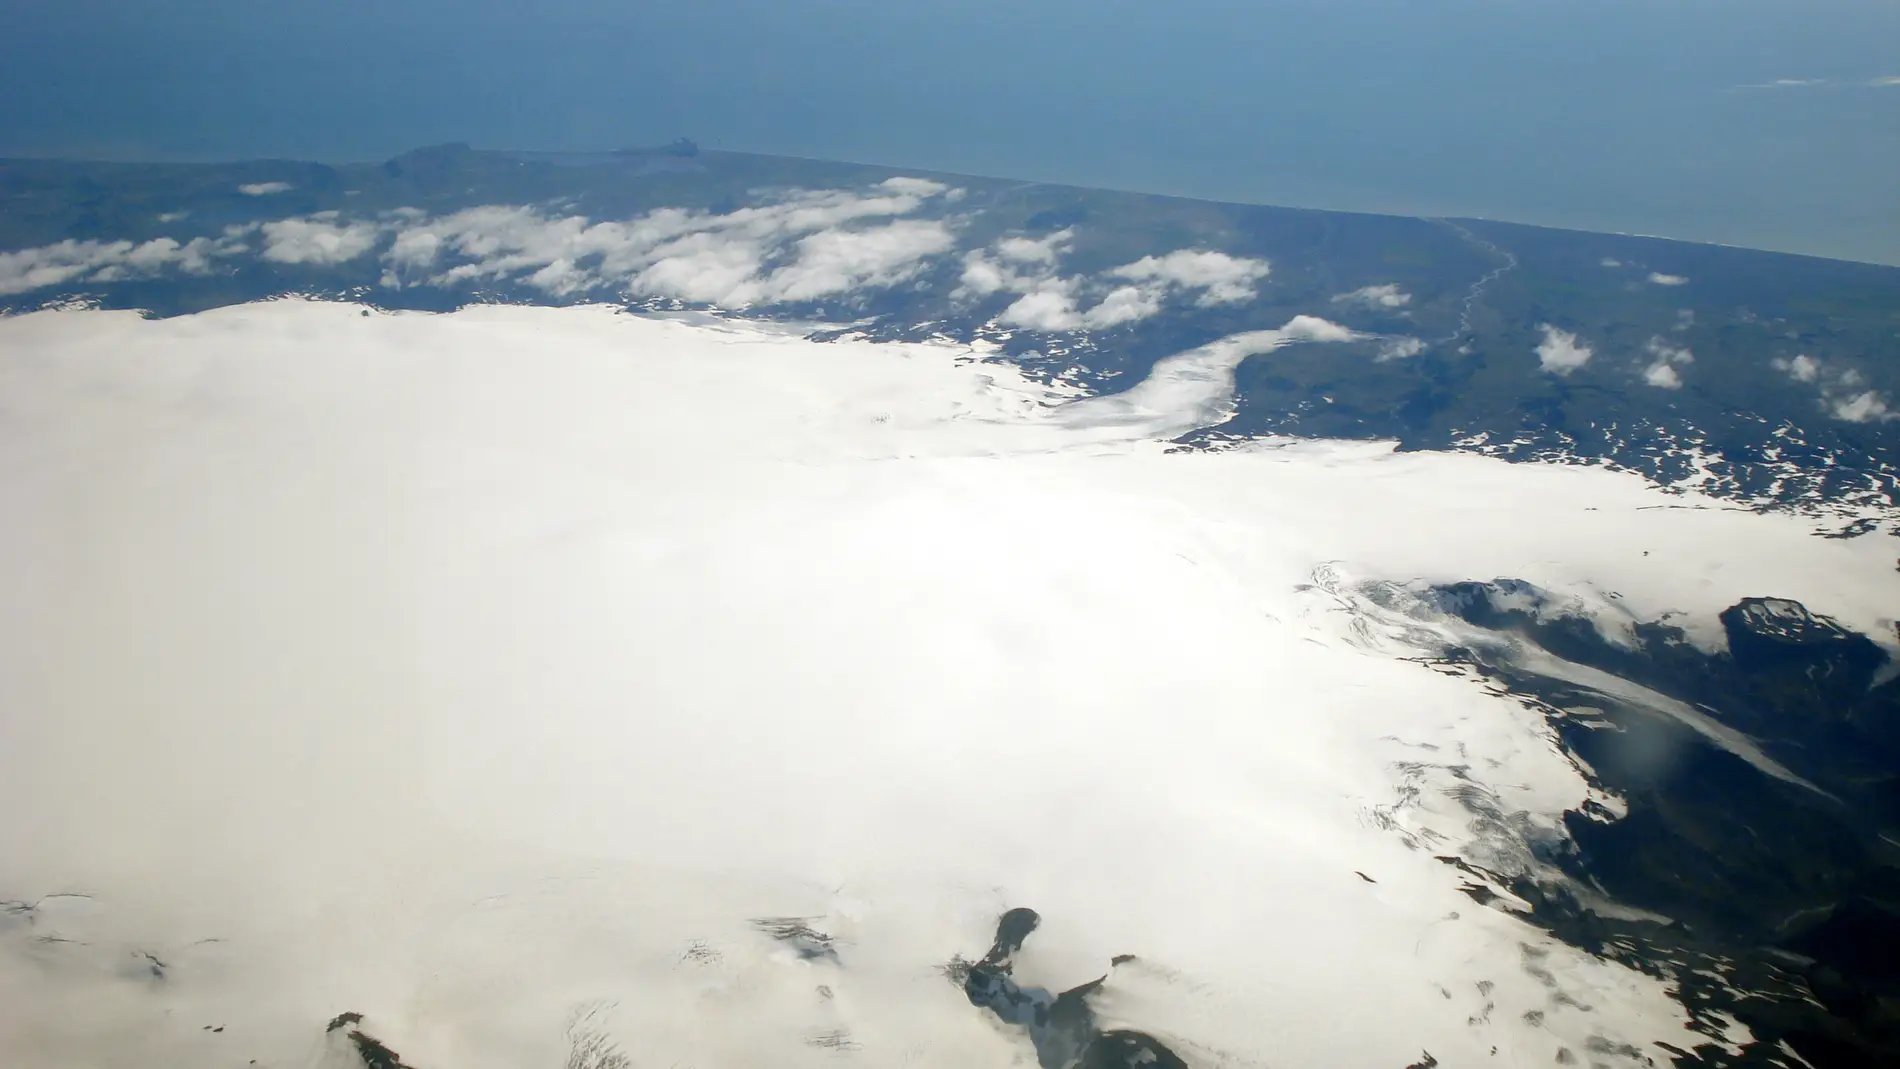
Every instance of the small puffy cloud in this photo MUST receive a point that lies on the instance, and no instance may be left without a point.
(172, 217)
(809, 210)
(1043, 250)
(1049, 307)
(705, 269)
(1388, 295)
(1014, 265)
(916, 187)
(832, 262)
(1662, 376)
(415, 248)
(1399, 349)
(560, 277)
(1862, 407)
(1052, 305)
(982, 276)
(153, 257)
(1313, 328)
(1560, 352)
(317, 241)
(1222, 279)
(1611, 261)
(1802, 368)
(725, 269)
(1050, 301)
(263, 189)
(498, 241)
(1664, 360)
(193, 256)
(1659, 279)
(1659, 347)
(1842, 395)
(1124, 304)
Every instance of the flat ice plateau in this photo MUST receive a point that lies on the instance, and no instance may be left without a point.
(491, 673)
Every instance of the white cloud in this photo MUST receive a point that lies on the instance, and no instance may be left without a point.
(264, 189)
(152, 257)
(316, 241)
(1399, 349)
(1048, 301)
(1790, 83)
(981, 277)
(1884, 81)
(50, 265)
(1124, 304)
(1013, 264)
(1841, 394)
(1052, 306)
(1659, 347)
(1802, 368)
(1661, 371)
(916, 187)
(1660, 279)
(1862, 407)
(1222, 279)
(808, 210)
(172, 217)
(1560, 352)
(193, 257)
(807, 245)
(109, 261)
(1662, 376)
(1053, 302)
(498, 241)
(1044, 250)
(723, 268)
(1611, 261)
(704, 268)
(1048, 307)
(832, 262)
(1388, 295)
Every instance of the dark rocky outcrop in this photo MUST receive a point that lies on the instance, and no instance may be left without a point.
(375, 1054)
(1061, 1027)
(1799, 664)
(1796, 889)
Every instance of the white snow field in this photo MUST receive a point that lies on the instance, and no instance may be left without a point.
(490, 672)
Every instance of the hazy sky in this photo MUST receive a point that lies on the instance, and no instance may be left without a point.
(1613, 114)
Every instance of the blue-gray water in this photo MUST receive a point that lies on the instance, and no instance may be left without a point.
(1608, 115)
